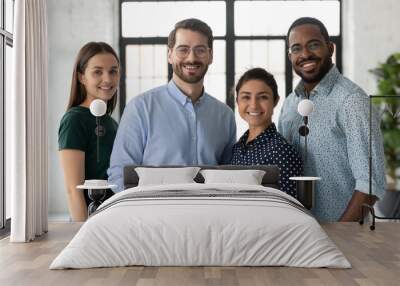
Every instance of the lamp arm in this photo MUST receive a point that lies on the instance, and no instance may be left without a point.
(305, 137)
(98, 139)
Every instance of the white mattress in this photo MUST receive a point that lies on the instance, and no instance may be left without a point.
(188, 230)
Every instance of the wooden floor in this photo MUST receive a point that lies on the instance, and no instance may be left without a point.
(374, 255)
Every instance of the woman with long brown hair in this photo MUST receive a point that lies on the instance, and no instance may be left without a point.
(96, 75)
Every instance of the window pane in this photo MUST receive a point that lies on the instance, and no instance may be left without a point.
(267, 54)
(334, 54)
(146, 68)
(389, 117)
(1, 16)
(8, 70)
(9, 15)
(275, 17)
(241, 125)
(215, 79)
(137, 23)
(280, 80)
(296, 80)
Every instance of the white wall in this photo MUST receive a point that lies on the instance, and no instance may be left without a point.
(71, 24)
(370, 35)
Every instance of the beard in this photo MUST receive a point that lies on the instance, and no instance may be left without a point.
(318, 76)
(178, 70)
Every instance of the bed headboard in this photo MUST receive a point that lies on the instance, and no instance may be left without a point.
(270, 179)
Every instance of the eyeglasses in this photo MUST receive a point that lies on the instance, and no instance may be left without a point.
(198, 51)
(313, 46)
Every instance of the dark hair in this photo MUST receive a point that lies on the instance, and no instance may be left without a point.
(78, 91)
(192, 24)
(309, 21)
(259, 74)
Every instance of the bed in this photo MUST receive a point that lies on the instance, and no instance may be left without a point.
(201, 224)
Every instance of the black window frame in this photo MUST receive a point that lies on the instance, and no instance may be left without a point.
(6, 39)
(229, 38)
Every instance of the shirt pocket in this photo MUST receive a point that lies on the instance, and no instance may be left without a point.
(329, 124)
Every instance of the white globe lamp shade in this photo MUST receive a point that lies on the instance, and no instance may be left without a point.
(305, 107)
(98, 107)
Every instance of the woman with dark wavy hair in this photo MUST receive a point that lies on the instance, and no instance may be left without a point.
(96, 75)
(261, 144)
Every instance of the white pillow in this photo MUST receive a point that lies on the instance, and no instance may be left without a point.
(248, 177)
(165, 176)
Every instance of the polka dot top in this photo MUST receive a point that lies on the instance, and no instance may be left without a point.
(270, 148)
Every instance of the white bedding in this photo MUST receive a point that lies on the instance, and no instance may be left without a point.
(207, 230)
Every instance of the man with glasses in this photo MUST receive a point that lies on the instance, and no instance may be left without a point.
(177, 123)
(338, 127)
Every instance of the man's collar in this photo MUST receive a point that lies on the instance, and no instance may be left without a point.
(182, 98)
(324, 87)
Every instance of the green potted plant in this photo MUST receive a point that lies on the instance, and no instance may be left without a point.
(388, 75)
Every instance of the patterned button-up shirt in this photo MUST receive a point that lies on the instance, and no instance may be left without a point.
(270, 148)
(337, 149)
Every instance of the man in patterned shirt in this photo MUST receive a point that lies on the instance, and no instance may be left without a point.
(339, 126)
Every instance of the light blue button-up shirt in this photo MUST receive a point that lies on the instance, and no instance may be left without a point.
(163, 127)
(338, 142)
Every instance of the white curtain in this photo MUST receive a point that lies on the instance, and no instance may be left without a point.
(28, 122)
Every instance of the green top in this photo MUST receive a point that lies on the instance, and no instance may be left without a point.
(78, 131)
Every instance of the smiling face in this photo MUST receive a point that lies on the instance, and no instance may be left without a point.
(256, 104)
(100, 77)
(190, 57)
(309, 53)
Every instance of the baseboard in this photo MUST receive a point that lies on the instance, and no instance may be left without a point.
(63, 217)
